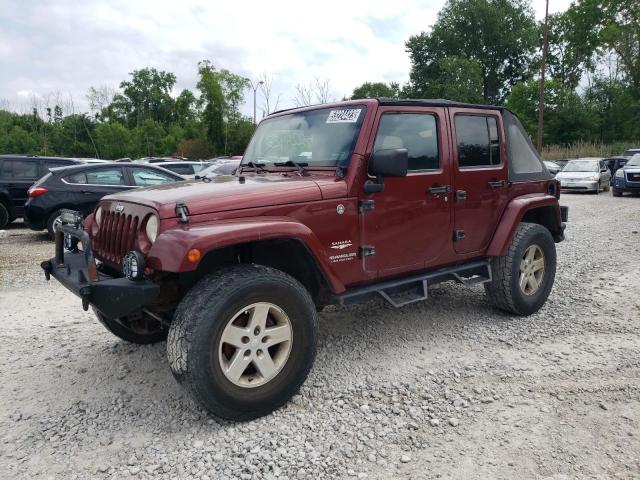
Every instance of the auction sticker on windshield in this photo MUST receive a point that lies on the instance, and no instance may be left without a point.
(349, 115)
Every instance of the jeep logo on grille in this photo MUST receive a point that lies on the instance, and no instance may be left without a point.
(119, 208)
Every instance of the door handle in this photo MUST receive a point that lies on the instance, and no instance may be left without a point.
(497, 184)
(461, 195)
(437, 190)
(87, 192)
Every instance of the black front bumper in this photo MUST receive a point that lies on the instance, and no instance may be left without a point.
(77, 271)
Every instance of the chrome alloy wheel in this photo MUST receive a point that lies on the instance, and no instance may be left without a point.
(56, 223)
(531, 270)
(255, 345)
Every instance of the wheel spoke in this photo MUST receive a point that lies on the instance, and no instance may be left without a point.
(523, 266)
(237, 365)
(537, 264)
(531, 252)
(524, 280)
(258, 317)
(265, 365)
(533, 283)
(277, 335)
(233, 336)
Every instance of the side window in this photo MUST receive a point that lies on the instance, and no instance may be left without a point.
(143, 177)
(477, 140)
(20, 169)
(416, 132)
(103, 176)
(180, 168)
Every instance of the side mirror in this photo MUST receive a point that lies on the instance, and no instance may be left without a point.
(389, 163)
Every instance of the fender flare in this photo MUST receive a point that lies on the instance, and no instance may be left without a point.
(512, 216)
(169, 252)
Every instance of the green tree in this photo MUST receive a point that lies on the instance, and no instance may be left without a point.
(146, 96)
(113, 140)
(213, 104)
(501, 35)
(376, 90)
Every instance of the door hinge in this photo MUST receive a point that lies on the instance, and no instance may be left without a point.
(458, 235)
(367, 251)
(366, 205)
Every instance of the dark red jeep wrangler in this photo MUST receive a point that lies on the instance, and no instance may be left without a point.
(331, 204)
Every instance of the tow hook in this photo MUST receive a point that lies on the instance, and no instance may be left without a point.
(85, 293)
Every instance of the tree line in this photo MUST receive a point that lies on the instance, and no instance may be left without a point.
(489, 51)
(478, 51)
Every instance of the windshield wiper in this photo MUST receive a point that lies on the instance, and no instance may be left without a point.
(299, 165)
(258, 167)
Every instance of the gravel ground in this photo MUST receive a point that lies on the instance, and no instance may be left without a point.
(447, 388)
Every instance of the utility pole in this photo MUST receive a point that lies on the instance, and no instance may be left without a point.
(255, 88)
(543, 68)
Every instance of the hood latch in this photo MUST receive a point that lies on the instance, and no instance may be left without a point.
(182, 212)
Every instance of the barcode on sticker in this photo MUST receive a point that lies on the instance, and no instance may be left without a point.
(349, 115)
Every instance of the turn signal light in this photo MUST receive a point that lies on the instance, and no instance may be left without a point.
(193, 255)
(36, 191)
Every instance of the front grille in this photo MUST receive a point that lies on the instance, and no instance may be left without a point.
(633, 176)
(116, 236)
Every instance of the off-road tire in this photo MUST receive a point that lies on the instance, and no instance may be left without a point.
(198, 324)
(615, 192)
(50, 220)
(143, 331)
(504, 291)
(4, 216)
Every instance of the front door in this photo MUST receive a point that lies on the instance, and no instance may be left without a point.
(479, 179)
(409, 225)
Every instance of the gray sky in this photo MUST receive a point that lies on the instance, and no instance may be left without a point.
(59, 48)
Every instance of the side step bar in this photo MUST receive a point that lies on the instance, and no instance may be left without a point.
(403, 291)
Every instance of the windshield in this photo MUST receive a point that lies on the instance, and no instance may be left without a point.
(634, 161)
(581, 166)
(317, 138)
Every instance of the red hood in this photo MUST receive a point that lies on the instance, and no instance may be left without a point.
(224, 193)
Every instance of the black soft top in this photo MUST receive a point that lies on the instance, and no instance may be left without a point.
(435, 102)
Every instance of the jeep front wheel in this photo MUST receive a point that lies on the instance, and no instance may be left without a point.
(243, 340)
(522, 279)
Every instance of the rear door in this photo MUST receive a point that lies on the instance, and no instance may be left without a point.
(87, 187)
(18, 175)
(479, 177)
(408, 223)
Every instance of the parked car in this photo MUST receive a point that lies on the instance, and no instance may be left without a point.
(627, 178)
(395, 196)
(187, 170)
(585, 174)
(81, 187)
(553, 167)
(630, 152)
(226, 167)
(614, 164)
(17, 174)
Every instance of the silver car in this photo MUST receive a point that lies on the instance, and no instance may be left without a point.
(585, 174)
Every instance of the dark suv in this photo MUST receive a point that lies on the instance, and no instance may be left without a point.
(333, 203)
(80, 188)
(17, 174)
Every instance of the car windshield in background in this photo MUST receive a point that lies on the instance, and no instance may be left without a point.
(581, 166)
(634, 161)
(318, 138)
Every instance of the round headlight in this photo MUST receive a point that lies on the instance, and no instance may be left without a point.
(152, 228)
(98, 215)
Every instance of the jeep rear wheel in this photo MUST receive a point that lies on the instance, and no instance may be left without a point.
(243, 340)
(523, 278)
(138, 328)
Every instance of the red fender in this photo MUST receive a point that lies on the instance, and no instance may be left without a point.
(512, 216)
(169, 252)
